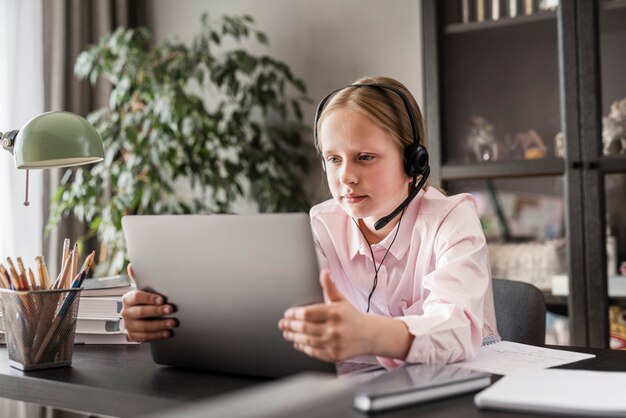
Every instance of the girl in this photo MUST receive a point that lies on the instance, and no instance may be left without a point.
(424, 277)
(418, 288)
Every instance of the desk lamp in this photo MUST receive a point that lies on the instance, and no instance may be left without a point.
(53, 139)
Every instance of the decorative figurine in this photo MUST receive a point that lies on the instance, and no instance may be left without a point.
(614, 129)
(481, 140)
(530, 144)
(559, 149)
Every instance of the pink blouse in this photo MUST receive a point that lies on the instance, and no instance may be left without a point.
(436, 277)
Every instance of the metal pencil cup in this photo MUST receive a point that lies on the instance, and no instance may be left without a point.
(39, 326)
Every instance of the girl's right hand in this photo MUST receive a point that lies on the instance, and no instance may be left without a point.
(143, 315)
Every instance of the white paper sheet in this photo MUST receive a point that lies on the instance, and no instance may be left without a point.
(505, 357)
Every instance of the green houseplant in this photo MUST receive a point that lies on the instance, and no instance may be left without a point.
(218, 120)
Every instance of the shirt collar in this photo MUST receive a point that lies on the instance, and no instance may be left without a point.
(358, 244)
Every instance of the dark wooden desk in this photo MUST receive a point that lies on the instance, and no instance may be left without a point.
(115, 380)
(123, 381)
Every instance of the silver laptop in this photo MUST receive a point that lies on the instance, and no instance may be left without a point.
(231, 277)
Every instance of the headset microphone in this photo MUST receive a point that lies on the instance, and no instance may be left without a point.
(385, 220)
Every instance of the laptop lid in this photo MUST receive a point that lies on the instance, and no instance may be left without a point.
(231, 278)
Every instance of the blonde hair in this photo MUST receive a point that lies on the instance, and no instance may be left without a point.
(383, 107)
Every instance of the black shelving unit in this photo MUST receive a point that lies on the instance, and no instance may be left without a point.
(544, 71)
(502, 22)
(503, 169)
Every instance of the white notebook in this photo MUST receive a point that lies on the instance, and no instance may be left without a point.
(557, 391)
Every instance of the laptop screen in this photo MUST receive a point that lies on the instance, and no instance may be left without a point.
(231, 277)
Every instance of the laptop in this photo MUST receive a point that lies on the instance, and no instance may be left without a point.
(231, 277)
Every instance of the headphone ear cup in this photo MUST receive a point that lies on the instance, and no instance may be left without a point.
(415, 160)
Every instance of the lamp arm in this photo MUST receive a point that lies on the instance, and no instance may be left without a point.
(8, 140)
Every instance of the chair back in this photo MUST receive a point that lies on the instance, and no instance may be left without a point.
(520, 312)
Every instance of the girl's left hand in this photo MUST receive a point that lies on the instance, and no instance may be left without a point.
(331, 331)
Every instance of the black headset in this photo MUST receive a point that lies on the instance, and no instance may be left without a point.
(415, 155)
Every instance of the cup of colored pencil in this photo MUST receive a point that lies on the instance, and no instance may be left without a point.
(40, 314)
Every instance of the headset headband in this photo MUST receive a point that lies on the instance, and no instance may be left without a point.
(405, 100)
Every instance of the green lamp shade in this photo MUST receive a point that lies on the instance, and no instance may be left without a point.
(57, 139)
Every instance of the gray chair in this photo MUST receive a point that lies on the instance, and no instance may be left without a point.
(520, 312)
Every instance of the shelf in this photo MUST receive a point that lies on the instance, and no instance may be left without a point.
(505, 21)
(552, 300)
(455, 28)
(522, 19)
(613, 164)
(503, 169)
(613, 4)
(612, 16)
(619, 301)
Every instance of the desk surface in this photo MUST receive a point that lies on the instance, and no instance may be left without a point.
(123, 381)
(115, 380)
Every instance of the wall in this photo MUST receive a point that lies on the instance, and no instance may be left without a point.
(327, 43)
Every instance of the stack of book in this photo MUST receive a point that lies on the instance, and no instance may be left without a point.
(99, 320)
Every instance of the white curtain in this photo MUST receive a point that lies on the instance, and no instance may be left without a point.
(21, 98)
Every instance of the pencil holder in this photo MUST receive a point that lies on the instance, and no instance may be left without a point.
(39, 326)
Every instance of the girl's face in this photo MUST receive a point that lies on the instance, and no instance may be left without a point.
(364, 166)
